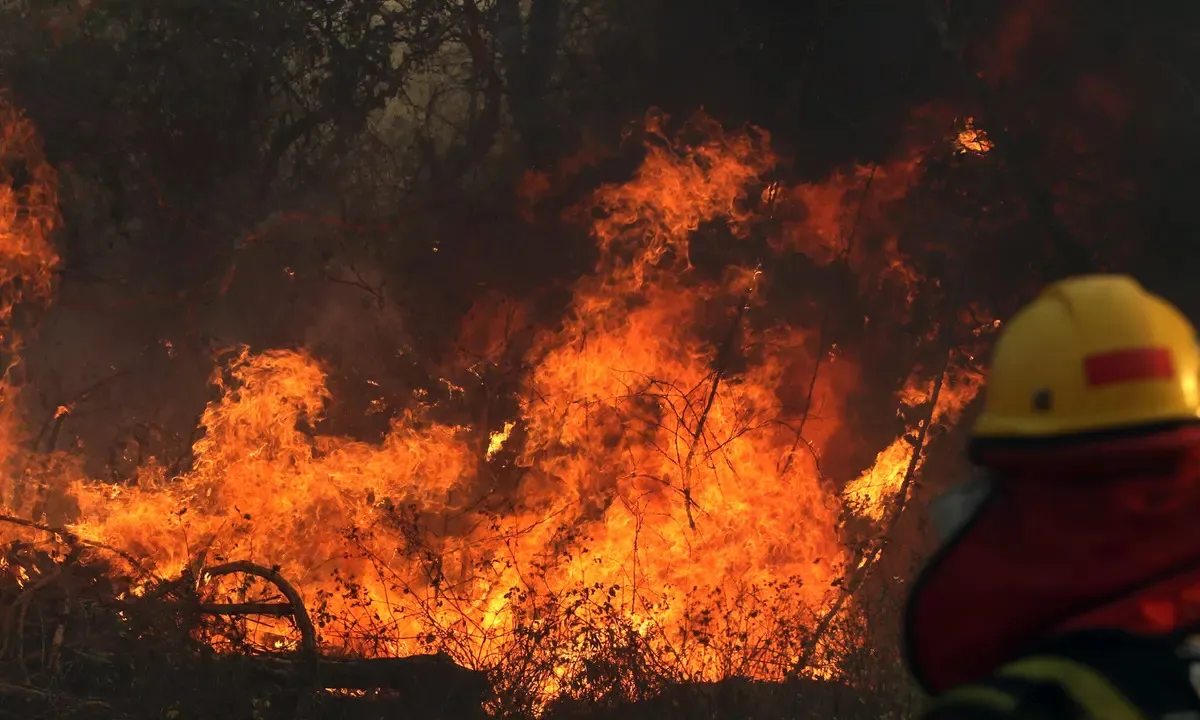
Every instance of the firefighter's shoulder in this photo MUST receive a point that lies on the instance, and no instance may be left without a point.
(1007, 697)
(1102, 675)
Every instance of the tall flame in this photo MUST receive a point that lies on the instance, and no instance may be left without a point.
(661, 480)
(28, 217)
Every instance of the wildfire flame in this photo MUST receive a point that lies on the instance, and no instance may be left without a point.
(28, 217)
(663, 479)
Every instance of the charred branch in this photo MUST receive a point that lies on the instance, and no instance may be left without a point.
(266, 609)
(74, 539)
(866, 558)
(308, 633)
(725, 358)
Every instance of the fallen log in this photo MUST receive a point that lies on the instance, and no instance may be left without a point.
(423, 686)
(269, 609)
(415, 674)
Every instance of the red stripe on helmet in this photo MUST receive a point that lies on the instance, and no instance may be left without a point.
(1128, 365)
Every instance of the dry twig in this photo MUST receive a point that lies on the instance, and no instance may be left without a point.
(868, 557)
(72, 539)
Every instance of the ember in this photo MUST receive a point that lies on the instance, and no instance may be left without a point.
(971, 139)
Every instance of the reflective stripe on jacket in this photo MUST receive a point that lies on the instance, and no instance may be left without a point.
(1093, 675)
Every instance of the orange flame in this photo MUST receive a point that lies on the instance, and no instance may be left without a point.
(666, 478)
(28, 217)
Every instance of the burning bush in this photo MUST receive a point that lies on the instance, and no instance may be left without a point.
(652, 509)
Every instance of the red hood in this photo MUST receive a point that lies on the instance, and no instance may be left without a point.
(1100, 535)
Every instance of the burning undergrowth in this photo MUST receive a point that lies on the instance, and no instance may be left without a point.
(652, 507)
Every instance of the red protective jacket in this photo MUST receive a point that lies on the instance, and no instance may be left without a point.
(1099, 535)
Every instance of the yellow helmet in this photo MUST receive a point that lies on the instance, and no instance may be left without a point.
(1090, 354)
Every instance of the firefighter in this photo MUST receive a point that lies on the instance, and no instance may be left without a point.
(1067, 582)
